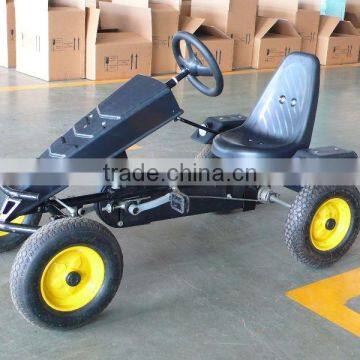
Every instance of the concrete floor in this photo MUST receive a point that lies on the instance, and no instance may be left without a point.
(208, 287)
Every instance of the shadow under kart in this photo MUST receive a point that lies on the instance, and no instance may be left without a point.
(68, 270)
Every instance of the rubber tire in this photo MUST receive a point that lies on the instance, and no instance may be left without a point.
(45, 244)
(14, 240)
(297, 228)
(205, 153)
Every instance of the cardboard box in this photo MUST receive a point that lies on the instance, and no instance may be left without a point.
(339, 42)
(120, 53)
(305, 20)
(274, 40)
(165, 24)
(7, 34)
(236, 18)
(220, 44)
(311, 4)
(95, 3)
(50, 41)
(353, 12)
(354, 18)
(185, 9)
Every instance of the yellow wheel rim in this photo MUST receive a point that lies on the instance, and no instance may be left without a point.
(330, 224)
(72, 278)
(20, 220)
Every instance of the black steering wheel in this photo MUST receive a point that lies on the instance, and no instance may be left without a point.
(195, 67)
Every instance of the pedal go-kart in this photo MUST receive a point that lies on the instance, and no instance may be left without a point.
(69, 270)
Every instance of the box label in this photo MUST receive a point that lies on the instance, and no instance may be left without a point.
(276, 53)
(244, 39)
(309, 37)
(339, 51)
(115, 63)
(65, 44)
(159, 42)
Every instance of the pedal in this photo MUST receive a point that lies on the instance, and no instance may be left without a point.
(179, 202)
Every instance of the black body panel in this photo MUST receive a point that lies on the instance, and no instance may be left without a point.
(138, 108)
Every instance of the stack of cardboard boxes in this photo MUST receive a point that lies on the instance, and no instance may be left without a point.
(305, 20)
(220, 44)
(338, 40)
(123, 46)
(112, 39)
(7, 34)
(165, 23)
(275, 39)
(50, 38)
(235, 18)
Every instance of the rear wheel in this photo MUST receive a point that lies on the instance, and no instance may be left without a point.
(10, 241)
(323, 223)
(66, 273)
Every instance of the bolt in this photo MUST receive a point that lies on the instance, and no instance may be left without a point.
(73, 279)
(81, 212)
(330, 224)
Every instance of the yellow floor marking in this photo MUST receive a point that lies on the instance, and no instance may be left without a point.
(134, 148)
(329, 298)
(85, 83)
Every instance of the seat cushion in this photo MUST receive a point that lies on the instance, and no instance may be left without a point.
(244, 143)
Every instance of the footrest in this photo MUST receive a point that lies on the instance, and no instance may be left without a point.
(329, 152)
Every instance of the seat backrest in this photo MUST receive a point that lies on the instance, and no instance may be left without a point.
(287, 109)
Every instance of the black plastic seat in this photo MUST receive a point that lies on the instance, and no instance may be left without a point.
(283, 120)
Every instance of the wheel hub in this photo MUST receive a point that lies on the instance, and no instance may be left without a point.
(330, 224)
(73, 279)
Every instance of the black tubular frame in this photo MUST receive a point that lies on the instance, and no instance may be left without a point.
(18, 194)
(194, 124)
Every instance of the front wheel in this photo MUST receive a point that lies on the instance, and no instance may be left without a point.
(66, 273)
(323, 223)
